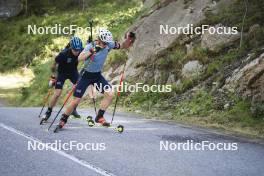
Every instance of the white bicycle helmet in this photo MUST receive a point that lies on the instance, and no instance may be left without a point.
(104, 35)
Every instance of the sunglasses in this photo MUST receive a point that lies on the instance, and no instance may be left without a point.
(75, 50)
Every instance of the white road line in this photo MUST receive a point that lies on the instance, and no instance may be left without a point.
(62, 153)
(126, 129)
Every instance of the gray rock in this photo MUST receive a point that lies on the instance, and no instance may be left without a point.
(189, 48)
(178, 82)
(147, 75)
(149, 40)
(248, 80)
(157, 76)
(149, 3)
(171, 79)
(215, 42)
(192, 69)
(226, 106)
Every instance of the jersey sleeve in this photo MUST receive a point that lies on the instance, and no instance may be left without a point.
(59, 57)
(87, 48)
(113, 45)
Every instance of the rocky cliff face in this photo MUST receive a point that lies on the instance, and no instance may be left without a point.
(243, 77)
(151, 42)
(248, 80)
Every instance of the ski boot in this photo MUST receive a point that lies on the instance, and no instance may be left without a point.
(102, 121)
(75, 114)
(46, 116)
(62, 122)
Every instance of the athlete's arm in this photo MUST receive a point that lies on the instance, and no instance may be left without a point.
(84, 55)
(129, 40)
(53, 75)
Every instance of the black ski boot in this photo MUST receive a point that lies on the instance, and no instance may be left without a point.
(46, 116)
(75, 114)
(62, 122)
(102, 121)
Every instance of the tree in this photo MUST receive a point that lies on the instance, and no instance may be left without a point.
(83, 5)
(243, 22)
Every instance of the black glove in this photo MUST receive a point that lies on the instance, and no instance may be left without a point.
(131, 36)
(52, 81)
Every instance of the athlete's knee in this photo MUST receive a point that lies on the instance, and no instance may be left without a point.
(110, 95)
(57, 93)
(75, 102)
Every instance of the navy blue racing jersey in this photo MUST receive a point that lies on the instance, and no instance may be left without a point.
(67, 62)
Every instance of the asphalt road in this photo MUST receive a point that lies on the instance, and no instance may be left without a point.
(136, 152)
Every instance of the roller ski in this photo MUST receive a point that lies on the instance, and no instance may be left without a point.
(45, 117)
(45, 101)
(61, 124)
(100, 122)
(75, 114)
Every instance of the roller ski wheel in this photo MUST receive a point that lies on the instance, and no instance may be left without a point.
(89, 118)
(45, 117)
(119, 129)
(43, 120)
(90, 121)
(59, 127)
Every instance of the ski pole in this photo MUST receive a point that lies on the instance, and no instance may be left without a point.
(94, 103)
(65, 101)
(118, 91)
(128, 36)
(89, 41)
(45, 100)
(92, 96)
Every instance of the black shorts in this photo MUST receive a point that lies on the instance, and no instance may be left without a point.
(62, 77)
(89, 78)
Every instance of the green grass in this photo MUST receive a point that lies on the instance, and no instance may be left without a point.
(201, 104)
(19, 48)
(171, 58)
(116, 58)
(221, 60)
(199, 110)
(38, 51)
(198, 53)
